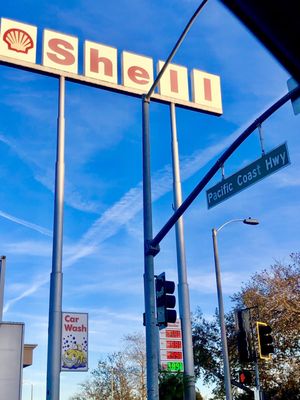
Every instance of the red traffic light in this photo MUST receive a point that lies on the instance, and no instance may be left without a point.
(245, 377)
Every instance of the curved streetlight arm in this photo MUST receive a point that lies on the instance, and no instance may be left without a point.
(229, 222)
(247, 221)
(173, 52)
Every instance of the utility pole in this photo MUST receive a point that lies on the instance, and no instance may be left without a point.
(55, 303)
(183, 288)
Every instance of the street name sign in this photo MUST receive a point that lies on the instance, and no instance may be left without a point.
(171, 356)
(256, 171)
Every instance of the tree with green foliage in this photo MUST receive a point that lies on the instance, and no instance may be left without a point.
(274, 297)
(171, 386)
(120, 375)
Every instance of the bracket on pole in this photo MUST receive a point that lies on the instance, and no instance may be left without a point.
(151, 250)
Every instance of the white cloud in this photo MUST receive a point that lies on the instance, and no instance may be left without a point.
(206, 283)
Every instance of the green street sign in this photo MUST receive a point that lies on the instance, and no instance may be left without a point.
(256, 171)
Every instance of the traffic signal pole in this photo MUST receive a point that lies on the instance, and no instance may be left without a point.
(150, 318)
(151, 250)
(183, 288)
(257, 382)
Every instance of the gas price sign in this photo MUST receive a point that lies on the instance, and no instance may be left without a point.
(171, 356)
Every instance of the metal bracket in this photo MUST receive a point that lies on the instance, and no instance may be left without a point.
(146, 99)
(223, 171)
(261, 139)
(151, 250)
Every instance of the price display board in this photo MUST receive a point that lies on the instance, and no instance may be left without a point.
(171, 356)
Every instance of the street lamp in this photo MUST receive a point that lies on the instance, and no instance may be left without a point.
(227, 380)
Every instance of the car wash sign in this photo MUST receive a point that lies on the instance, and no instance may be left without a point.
(74, 342)
(268, 164)
(100, 64)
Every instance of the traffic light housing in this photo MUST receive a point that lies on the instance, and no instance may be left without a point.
(265, 340)
(243, 338)
(243, 347)
(245, 377)
(165, 301)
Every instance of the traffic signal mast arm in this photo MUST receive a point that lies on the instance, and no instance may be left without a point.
(216, 167)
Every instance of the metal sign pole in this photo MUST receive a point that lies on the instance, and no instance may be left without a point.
(151, 328)
(2, 280)
(227, 378)
(183, 288)
(55, 306)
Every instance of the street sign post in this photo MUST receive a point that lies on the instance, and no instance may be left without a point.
(266, 165)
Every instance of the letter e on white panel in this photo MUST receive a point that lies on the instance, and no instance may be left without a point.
(174, 82)
(18, 40)
(60, 51)
(207, 90)
(137, 71)
(100, 62)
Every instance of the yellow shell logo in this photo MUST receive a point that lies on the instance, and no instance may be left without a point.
(18, 40)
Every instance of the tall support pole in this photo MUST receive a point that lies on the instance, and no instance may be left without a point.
(227, 379)
(183, 288)
(257, 382)
(2, 284)
(151, 328)
(55, 304)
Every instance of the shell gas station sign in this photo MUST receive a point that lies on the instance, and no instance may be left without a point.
(100, 65)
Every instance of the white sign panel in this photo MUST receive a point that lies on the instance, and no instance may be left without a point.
(11, 360)
(74, 346)
(206, 89)
(100, 62)
(174, 82)
(18, 40)
(60, 51)
(137, 71)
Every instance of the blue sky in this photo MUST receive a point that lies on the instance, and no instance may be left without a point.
(103, 256)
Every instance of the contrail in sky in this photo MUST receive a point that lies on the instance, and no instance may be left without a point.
(126, 208)
(30, 225)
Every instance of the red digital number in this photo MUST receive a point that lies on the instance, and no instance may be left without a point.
(174, 355)
(174, 344)
(173, 334)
